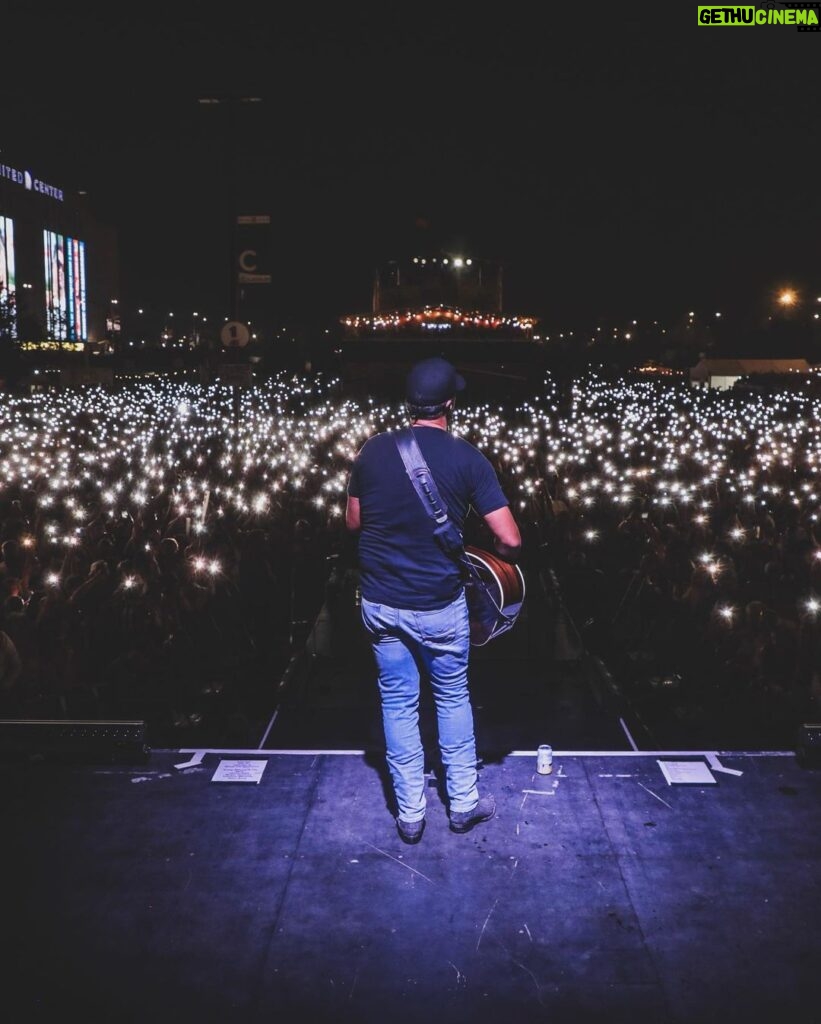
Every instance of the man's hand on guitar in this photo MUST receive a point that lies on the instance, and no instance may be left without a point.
(507, 541)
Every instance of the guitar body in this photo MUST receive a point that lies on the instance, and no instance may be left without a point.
(506, 586)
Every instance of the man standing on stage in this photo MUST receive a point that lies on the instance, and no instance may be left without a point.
(413, 599)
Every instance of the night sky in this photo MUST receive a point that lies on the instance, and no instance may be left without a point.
(630, 164)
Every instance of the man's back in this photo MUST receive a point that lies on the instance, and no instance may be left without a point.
(401, 562)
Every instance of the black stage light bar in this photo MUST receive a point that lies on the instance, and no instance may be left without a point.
(80, 739)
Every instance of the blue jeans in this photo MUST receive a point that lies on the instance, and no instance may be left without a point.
(438, 642)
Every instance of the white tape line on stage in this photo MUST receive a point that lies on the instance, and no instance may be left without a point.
(313, 752)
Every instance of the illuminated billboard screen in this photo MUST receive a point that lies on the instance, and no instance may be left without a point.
(8, 282)
(66, 302)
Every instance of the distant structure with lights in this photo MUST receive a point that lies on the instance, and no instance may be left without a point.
(59, 265)
(438, 296)
(722, 374)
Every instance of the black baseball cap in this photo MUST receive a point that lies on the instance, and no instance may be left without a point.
(432, 381)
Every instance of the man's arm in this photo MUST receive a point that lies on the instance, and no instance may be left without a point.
(506, 537)
(353, 518)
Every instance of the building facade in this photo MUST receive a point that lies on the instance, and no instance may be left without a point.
(59, 266)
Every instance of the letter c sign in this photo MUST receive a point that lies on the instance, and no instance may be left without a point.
(247, 261)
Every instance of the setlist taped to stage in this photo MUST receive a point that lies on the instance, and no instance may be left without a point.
(686, 771)
(239, 771)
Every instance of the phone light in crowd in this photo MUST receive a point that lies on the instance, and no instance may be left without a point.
(727, 613)
(53, 579)
(813, 606)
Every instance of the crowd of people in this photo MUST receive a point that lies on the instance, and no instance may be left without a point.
(160, 556)
(165, 549)
(683, 525)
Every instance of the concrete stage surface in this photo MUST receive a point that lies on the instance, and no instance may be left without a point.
(153, 893)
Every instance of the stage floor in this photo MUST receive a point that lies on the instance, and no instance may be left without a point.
(600, 892)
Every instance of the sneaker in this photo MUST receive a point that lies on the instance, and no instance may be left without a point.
(463, 821)
(410, 831)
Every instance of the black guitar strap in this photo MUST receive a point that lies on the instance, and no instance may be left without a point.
(425, 486)
(490, 619)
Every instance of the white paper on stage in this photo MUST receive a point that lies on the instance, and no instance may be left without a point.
(686, 771)
(239, 771)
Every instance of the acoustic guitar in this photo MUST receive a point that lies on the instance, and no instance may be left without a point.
(494, 608)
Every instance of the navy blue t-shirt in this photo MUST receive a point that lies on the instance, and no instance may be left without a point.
(400, 561)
